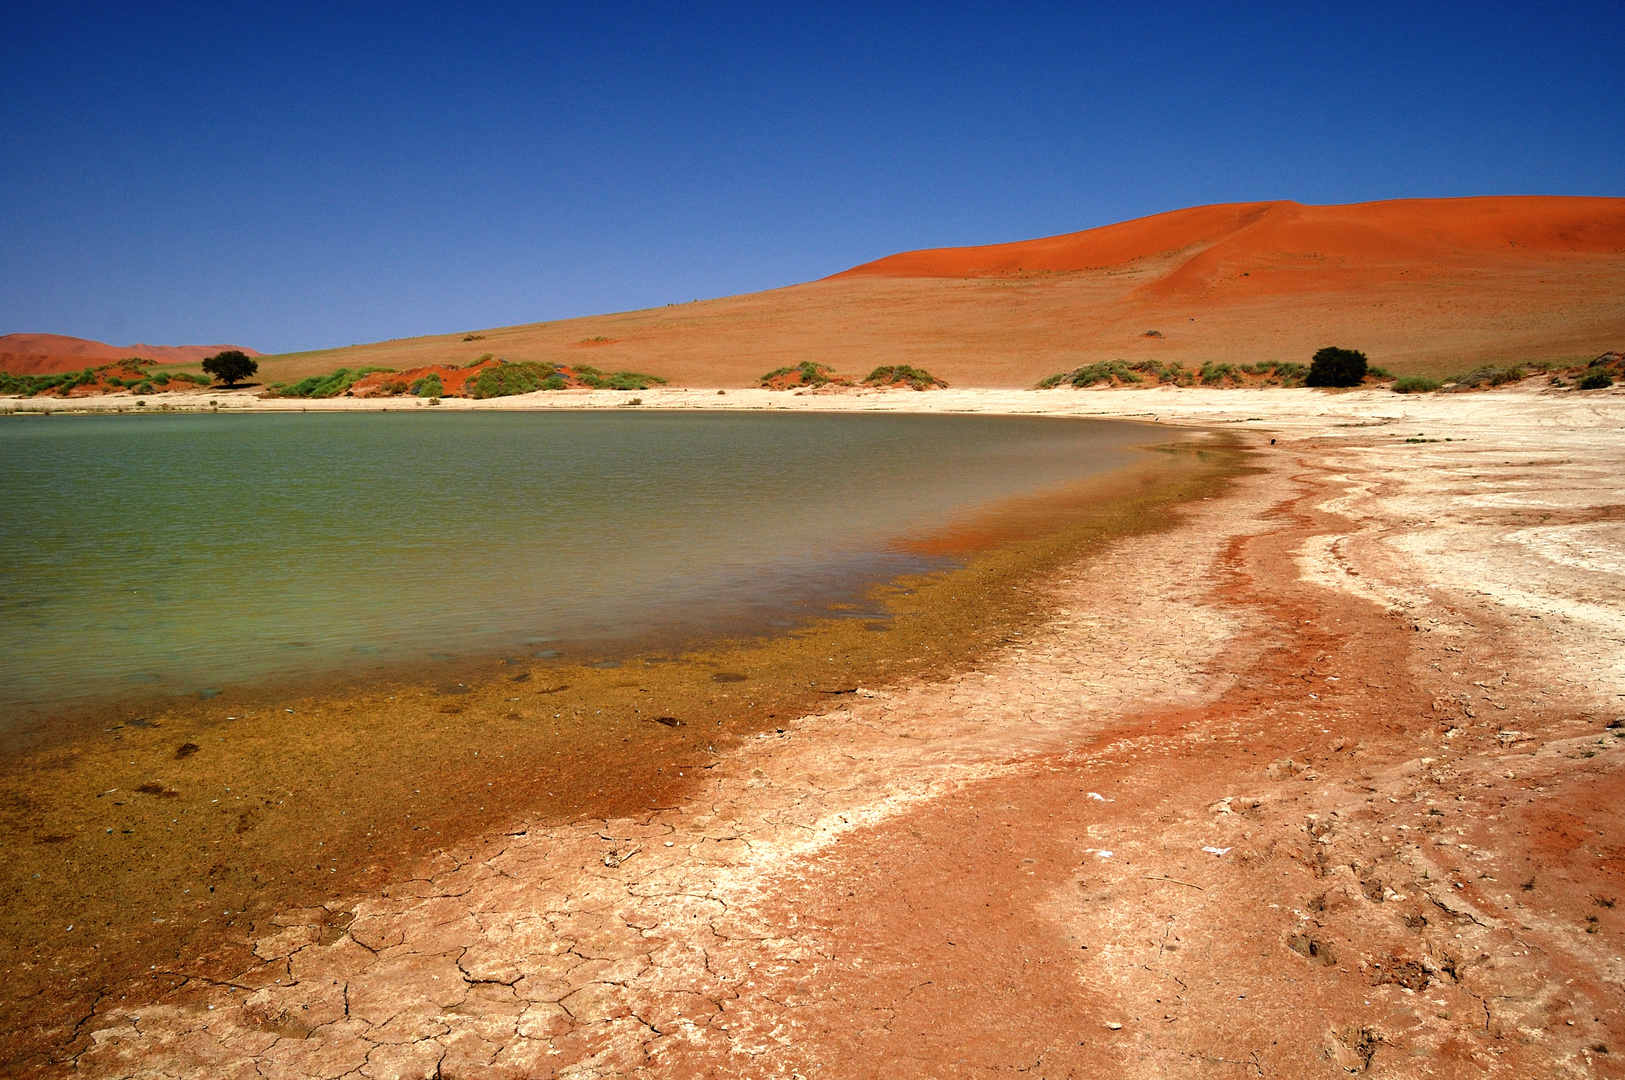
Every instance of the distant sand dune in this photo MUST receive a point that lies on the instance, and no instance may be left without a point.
(1427, 286)
(1308, 244)
(47, 354)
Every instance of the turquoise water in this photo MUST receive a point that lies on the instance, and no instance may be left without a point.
(179, 554)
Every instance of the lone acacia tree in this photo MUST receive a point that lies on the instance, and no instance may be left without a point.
(231, 366)
(1332, 366)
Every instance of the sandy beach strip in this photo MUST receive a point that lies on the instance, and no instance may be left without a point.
(1321, 780)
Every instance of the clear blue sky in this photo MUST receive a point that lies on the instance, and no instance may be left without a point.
(291, 177)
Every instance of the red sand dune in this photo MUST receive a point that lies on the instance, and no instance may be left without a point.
(47, 354)
(1311, 242)
(1430, 286)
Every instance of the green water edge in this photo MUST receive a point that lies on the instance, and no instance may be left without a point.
(141, 835)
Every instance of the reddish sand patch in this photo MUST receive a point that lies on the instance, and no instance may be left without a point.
(391, 383)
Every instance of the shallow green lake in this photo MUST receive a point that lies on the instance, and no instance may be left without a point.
(177, 554)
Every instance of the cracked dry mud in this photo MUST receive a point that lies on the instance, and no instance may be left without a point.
(1319, 783)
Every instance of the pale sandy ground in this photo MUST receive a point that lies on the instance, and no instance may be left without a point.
(1300, 788)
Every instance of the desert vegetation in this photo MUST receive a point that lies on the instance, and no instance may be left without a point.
(1415, 384)
(231, 366)
(805, 373)
(899, 375)
(129, 374)
(484, 377)
(608, 380)
(1157, 373)
(324, 386)
(810, 375)
(1337, 367)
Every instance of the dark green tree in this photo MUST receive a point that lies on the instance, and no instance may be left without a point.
(1332, 366)
(231, 367)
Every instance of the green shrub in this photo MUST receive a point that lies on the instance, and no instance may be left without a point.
(1414, 384)
(1106, 371)
(554, 382)
(617, 380)
(811, 374)
(430, 386)
(160, 379)
(1281, 372)
(1333, 366)
(1595, 379)
(1487, 377)
(28, 385)
(506, 380)
(325, 386)
(917, 378)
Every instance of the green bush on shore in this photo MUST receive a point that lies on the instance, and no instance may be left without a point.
(29, 385)
(1335, 367)
(616, 380)
(324, 386)
(1123, 373)
(810, 374)
(1415, 384)
(891, 374)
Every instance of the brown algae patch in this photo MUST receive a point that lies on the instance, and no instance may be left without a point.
(170, 840)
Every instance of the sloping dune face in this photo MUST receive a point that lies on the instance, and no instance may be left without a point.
(49, 354)
(1296, 247)
(1427, 286)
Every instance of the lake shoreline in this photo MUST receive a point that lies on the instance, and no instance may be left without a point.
(267, 778)
(1095, 832)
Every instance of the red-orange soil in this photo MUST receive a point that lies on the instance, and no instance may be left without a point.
(1287, 247)
(390, 384)
(51, 354)
(1423, 286)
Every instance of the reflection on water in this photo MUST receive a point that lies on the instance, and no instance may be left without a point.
(180, 553)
